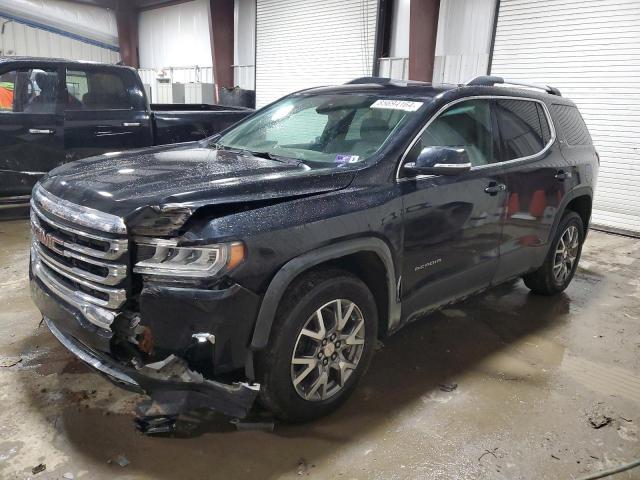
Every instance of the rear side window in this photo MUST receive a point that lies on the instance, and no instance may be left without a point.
(572, 125)
(96, 90)
(523, 127)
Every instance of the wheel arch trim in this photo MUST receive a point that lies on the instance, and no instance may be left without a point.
(580, 191)
(296, 266)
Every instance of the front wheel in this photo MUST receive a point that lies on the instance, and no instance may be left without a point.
(320, 345)
(562, 260)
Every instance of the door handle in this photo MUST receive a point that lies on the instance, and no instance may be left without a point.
(495, 188)
(42, 131)
(562, 175)
(131, 124)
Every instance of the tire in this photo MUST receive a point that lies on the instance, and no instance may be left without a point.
(275, 369)
(551, 278)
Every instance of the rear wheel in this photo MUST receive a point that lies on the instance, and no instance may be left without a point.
(320, 346)
(562, 260)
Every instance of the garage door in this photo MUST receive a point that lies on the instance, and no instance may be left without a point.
(310, 43)
(590, 49)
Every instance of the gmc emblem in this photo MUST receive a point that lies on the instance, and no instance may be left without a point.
(46, 239)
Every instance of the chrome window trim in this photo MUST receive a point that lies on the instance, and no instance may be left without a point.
(78, 214)
(118, 246)
(551, 141)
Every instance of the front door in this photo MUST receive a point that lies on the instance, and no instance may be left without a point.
(31, 129)
(452, 223)
(105, 110)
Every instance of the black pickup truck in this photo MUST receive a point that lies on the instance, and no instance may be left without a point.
(56, 111)
(266, 261)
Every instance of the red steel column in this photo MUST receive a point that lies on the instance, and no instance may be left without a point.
(127, 21)
(423, 28)
(221, 34)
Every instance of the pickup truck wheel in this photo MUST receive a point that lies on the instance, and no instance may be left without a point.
(562, 260)
(321, 344)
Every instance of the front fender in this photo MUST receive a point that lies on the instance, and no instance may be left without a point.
(276, 289)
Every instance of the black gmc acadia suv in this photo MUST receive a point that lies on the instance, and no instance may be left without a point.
(264, 262)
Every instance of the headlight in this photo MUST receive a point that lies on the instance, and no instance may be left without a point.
(164, 257)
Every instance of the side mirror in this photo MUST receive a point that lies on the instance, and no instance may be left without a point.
(440, 161)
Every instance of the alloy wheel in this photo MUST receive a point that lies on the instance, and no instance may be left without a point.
(566, 254)
(328, 350)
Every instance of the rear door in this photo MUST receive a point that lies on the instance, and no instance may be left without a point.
(105, 110)
(537, 178)
(31, 128)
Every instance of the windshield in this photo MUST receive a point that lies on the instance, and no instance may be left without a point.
(321, 130)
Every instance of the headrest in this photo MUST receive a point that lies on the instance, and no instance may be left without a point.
(374, 129)
(46, 81)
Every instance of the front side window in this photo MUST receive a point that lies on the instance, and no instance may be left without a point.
(96, 90)
(467, 125)
(523, 127)
(30, 90)
(7, 87)
(322, 130)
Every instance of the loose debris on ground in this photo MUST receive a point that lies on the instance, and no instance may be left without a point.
(493, 452)
(10, 362)
(302, 466)
(448, 387)
(120, 460)
(41, 467)
(599, 416)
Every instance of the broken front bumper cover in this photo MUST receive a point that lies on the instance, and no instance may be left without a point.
(172, 395)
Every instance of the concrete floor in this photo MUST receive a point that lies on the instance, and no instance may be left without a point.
(531, 372)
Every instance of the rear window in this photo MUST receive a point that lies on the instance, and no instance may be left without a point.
(523, 126)
(572, 125)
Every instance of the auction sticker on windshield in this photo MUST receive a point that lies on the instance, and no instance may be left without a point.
(405, 105)
(341, 158)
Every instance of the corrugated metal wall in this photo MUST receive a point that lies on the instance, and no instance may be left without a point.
(175, 36)
(311, 43)
(590, 49)
(244, 52)
(21, 39)
(464, 39)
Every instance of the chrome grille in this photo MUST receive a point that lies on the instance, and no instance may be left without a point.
(85, 263)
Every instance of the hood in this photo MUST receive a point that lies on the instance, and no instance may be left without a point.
(166, 180)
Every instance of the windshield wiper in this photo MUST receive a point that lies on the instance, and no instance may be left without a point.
(258, 154)
(268, 156)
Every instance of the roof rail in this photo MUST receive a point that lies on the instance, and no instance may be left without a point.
(362, 80)
(490, 80)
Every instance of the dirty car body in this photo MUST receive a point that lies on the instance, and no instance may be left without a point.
(106, 231)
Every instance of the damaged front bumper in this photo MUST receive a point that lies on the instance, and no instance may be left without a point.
(183, 390)
(173, 387)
